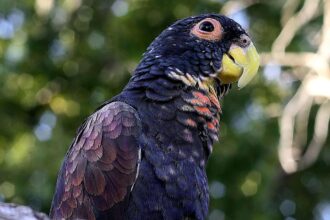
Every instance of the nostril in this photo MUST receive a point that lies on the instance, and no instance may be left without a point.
(244, 41)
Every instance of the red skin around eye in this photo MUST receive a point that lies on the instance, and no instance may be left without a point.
(215, 35)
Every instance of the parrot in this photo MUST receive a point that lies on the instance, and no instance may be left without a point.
(143, 153)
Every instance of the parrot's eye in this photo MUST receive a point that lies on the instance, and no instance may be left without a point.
(206, 26)
(208, 29)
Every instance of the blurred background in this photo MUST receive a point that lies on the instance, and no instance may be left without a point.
(60, 59)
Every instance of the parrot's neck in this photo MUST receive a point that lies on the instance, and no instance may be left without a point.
(183, 120)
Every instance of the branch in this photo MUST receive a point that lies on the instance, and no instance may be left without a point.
(290, 29)
(315, 85)
(319, 138)
(314, 61)
(288, 154)
(325, 43)
(18, 212)
(288, 10)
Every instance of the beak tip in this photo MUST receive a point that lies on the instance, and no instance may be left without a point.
(251, 69)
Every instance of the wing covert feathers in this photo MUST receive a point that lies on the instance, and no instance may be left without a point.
(101, 164)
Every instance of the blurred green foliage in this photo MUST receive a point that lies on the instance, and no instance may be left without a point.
(60, 59)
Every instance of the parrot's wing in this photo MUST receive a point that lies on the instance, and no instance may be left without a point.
(101, 165)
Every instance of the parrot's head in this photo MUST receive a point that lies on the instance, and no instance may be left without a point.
(207, 48)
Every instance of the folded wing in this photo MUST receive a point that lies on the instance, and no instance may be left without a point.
(101, 165)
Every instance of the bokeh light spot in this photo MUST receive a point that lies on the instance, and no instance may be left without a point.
(119, 8)
(43, 7)
(43, 132)
(322, 211)
(6, 29)
(250, 185)
(20, 151)
(71, 5)
(96, 40)
(217, 214)
(217, 189)
(7, 189)
(288, 207)
(272, 72)
(60, 105)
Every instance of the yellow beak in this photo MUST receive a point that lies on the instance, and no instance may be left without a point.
(240, 64)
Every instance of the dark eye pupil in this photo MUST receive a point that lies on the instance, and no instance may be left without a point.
(206, 26)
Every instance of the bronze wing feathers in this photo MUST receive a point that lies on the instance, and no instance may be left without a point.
(101, 165)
